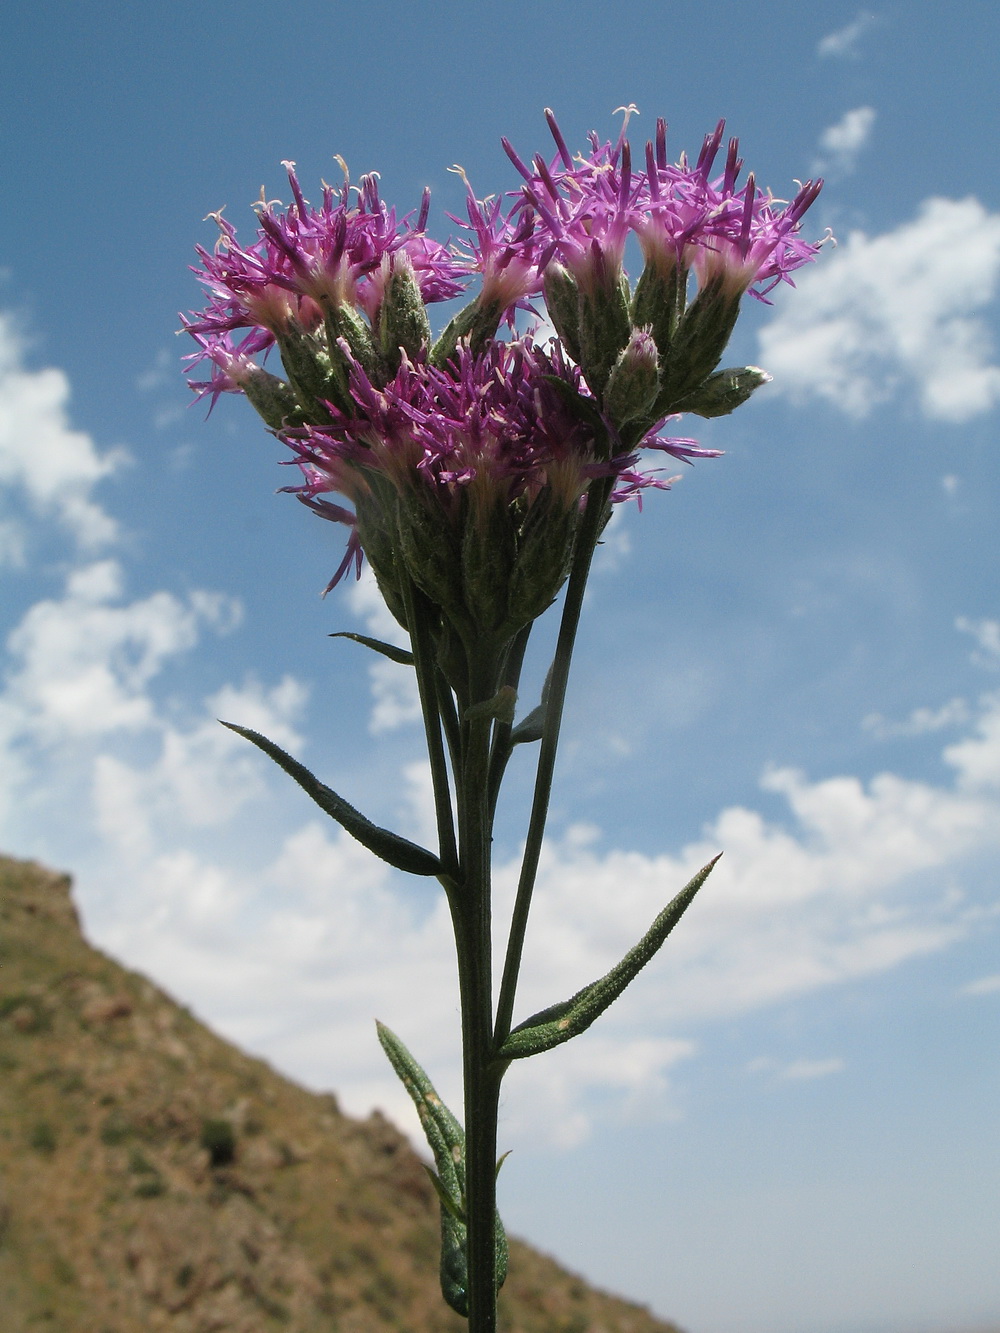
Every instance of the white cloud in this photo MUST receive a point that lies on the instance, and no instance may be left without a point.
(921, 720)
(977, 757)
(202, 776)
(82, 662)
(987, 635)
(896, 314)
(553, 1090)
(42, 458)
(845, 41)
(393, 687)
(296, 957)
(984, 986)
(841, 144)
(797, 1071)
(800, 1070)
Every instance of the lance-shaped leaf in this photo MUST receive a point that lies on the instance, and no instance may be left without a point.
(530, 728)
(401, 655)
(396, 851)
(446, 1138)
(552, 1026)
(501, 707)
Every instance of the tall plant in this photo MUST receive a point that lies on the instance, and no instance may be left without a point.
(482, 467)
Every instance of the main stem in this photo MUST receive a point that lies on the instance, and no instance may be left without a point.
(473, 919)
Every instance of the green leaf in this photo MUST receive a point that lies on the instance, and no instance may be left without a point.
(401, 655)
(552, 1026)
(446, 1138)
(501, 706)
(450, 1204)
(530, 728)
(396, 851)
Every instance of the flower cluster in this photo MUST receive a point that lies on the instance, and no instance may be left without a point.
(475, 471)
(467, 457)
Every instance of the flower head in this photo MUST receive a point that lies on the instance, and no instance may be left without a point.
(468, 460)
(462, 462)
(691, 225)
(309, 263)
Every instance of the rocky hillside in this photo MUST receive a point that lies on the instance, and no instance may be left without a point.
(154, 1177)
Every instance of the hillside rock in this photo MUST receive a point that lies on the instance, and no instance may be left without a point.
(154, 1177)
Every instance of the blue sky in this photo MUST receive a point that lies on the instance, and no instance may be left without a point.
(790, 1121)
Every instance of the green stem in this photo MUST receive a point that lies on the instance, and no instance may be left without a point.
(590, 529)
(500, 749)
(422, 642)
(473, 934)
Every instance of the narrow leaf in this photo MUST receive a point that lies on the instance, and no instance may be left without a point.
(552, 1026)
(452, 1205)
(530, 728)
(501, 706)
(396, 851)
(401, 655)
(446, 1138)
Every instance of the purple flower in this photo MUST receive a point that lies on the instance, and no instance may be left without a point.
(504, 250)
(493, 445)
(483, 429)
(681, 215)
(585, 210)
(465, 460)
(307, 262)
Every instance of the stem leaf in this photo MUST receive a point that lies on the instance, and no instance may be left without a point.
(530, 728)
(401, 655)
(390, 847)
(551, 1027)
(446, 1139)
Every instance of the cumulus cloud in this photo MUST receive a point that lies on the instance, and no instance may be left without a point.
(797, 1071)
(987, 636)
(394, 688)
(296, 954)
(296, 957)
(844, 42)
(920, 721)
(900, 314)
(841, 144)
(81, 663)
(43, 460)
(984, 986)
(203, 775)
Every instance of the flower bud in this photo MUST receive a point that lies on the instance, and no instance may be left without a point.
(488, 554)
(634, 382)
(605, 328)
(475, 325)
(562, 300)
(375, 506)
(545, 551)
(271, 397)
(660, 296)
(725, 391)
(702, 334)
(430, 551)
(402, 317)
(344, 322)
(312, 375)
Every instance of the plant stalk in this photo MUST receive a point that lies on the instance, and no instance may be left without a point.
(473, 937)
(587, 538)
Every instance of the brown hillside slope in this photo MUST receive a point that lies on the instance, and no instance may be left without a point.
(154, 1177)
